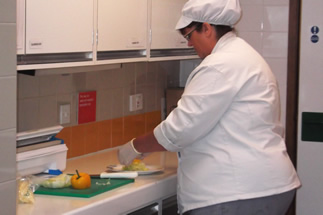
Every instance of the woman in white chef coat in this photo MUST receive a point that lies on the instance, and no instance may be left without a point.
(226, 127)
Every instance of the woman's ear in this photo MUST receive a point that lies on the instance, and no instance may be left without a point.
(208, 29)
(209, 34)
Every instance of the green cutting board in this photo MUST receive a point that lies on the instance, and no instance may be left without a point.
(95, 189)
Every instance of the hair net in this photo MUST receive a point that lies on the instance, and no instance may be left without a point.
(217, 12)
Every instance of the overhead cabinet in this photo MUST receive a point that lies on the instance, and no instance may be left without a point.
(122, 29)
(165, 40)
(73, 33)
(58, 31)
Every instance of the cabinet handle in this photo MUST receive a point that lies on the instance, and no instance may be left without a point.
(150, 35)
(97, 37)
(92, 38)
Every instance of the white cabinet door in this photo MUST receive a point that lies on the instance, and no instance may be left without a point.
(164, 17)
(20, 26)
(59, 26)
(122, 25)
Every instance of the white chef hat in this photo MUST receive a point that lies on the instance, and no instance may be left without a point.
(217, 12)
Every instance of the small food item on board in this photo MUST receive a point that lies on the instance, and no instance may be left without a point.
(25, 193)
(61, 181)
(81, 180)
(136, 165)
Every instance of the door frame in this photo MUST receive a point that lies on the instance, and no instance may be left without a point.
(293, 84)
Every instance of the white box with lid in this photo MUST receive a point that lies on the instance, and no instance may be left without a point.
(39, 159)
(47, 159)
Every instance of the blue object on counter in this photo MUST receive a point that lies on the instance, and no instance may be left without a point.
(54, 172)
(55, 138)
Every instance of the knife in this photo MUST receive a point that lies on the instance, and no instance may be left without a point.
(116, 175)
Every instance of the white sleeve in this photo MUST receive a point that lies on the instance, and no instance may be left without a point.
(206, 97)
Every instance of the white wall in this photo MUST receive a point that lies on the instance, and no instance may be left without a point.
(264, 25)
(8, 79)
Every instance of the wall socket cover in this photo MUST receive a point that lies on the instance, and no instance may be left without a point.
(136, 102)
(64, 114)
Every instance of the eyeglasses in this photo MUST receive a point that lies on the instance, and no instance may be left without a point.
(189, 34)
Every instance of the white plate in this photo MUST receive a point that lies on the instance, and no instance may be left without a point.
(151, 169)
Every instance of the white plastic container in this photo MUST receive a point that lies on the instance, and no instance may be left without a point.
(42, 160)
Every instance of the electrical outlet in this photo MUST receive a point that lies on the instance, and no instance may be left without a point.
(139, 101)
(64, 114)
(136, 102)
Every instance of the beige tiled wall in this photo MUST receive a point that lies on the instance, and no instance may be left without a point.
(8, 94)
(8, 197)
(39, 98)
(264, 25)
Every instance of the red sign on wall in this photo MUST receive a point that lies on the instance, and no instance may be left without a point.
(86, 107)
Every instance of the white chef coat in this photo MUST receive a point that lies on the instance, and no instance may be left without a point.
(227, 130)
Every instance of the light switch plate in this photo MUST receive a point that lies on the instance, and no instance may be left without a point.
(64, 114)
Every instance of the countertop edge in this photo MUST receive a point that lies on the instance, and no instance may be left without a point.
(137, 198)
